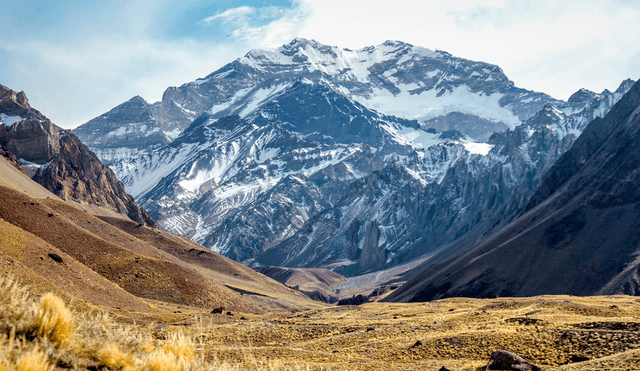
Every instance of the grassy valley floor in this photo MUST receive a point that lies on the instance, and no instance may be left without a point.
(554, 332)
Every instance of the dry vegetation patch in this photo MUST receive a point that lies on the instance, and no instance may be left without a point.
(556, 333)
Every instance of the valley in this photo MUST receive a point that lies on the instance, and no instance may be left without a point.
(313, 207)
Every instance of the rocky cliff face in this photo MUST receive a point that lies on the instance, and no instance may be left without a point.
(475, 194)
(579, 235)
(56, 158)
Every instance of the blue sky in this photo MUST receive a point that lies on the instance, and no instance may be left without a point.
(78, 59)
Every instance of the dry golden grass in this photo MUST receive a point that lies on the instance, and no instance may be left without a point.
(459, 334)
(44, 334)
(55, 321)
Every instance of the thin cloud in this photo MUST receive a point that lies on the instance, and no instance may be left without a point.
(268, 26)
(231, 15)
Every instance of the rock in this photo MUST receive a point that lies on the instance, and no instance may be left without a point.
(443, 369)
(503, 360)
(354, 300)
(418, 343)
(55, 257)
(578, 358)
(218, 310)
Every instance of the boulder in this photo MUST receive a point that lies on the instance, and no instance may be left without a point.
(503, 360)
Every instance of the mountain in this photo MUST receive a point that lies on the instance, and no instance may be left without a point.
(241, 186)
(117, 264)
(316, 156)
(579, 234)
(388, 218)
(393, 78)
(58, 160)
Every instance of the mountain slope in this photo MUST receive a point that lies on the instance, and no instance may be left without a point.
(56, 158)
(580, 235)
(398, 219)
(296, 161)
(145, 262)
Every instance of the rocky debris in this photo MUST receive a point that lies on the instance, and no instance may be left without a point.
(503, 360)
(525, 321)
(578, 358)
(615, 326)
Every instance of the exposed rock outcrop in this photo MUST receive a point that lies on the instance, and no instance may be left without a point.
(503, 360)
(58, 160)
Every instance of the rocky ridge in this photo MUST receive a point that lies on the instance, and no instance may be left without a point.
(393, 78)
(578, 235)
(57, 159)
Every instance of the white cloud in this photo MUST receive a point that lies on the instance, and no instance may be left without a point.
(230, 15)
(550, 46)
(268, 26)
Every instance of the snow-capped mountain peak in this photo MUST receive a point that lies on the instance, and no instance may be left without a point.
(312, 146)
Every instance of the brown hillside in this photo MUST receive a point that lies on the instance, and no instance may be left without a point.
(135, 264)
(28, 258)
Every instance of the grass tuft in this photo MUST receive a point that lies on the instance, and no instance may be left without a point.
(113, 357)
(33, 360)
(55, 321)
(181, 347)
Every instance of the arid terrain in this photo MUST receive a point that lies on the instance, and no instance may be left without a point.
(553, 332)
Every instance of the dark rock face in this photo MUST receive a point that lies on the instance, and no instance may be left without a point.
(62, 163)
(503, 360)
(579, 233)
(355, 300)
(13, 160)
(471, 125)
